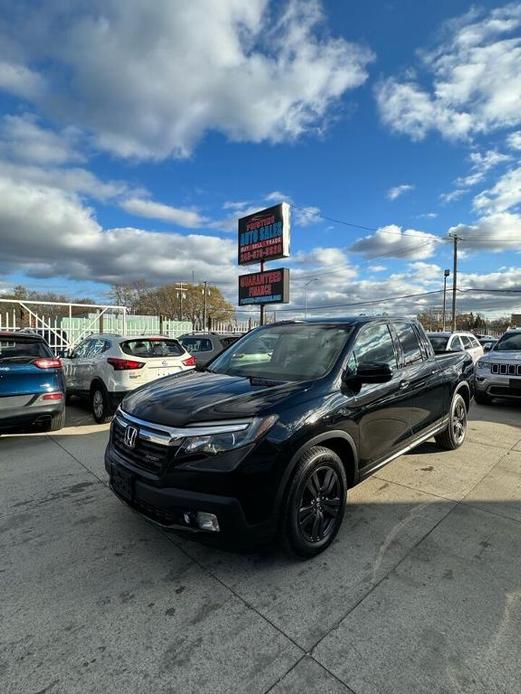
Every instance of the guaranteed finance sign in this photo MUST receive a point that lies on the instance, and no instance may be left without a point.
(264, 235)
(270, 287)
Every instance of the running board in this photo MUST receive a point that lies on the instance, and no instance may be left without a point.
(409, 447)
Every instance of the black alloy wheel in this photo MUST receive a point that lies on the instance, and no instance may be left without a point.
(454, 435)
(315, 503)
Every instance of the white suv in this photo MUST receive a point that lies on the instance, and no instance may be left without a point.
(105, 367)
(456, 342)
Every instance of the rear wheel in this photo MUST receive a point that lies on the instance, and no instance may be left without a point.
(482, 398)
(100, 403)
(57, 421)
(315, 503)
(454, 435)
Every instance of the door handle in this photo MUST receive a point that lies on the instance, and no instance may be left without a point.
(404, 385)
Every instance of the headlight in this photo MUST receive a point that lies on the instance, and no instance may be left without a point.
(222, 437)
(483, 364)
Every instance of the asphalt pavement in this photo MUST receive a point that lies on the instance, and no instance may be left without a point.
(421, 591)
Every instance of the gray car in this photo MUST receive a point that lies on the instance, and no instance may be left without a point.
(206, 346)
(498, 373)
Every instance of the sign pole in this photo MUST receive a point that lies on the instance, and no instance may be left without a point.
(262, 305)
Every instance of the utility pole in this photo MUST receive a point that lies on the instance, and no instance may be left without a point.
(262, 307)
(455, 239)
(204, 305)
(446, 273)
(180, 291)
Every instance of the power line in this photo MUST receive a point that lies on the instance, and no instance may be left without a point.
(359, 226)
(362, 303)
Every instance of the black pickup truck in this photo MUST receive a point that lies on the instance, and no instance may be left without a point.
(266, 440)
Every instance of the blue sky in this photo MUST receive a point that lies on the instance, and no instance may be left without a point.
(132, 138)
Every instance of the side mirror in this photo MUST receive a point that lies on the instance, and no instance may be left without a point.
(372, 373)
(487, 348)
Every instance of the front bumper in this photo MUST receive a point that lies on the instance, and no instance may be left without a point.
(498, 386)
(176, 508)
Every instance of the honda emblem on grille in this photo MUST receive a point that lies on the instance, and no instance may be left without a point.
(130, 436)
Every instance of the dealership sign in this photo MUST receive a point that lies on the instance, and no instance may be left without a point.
(264, 235)
(270, 287)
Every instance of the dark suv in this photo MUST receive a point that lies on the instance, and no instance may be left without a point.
(269, 446)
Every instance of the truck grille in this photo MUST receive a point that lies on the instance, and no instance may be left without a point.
(506, 369)
(147, 455)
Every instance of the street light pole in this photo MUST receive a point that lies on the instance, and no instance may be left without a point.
(204, 305)
(446, 273)
(315, 279)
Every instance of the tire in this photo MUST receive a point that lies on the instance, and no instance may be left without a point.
(482, 398)
(314, 504)
(100, 403)
(454, 435)
(57, 421)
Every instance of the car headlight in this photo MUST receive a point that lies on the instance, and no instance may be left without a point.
(484, 364)
(214, 439)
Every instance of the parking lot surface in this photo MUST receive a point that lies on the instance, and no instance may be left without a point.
(421, 591)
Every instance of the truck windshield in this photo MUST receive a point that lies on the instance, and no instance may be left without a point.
(291, 352)
(509, 341)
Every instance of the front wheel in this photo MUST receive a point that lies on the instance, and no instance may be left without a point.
(315, 503)
(100, 404)
(454, 435)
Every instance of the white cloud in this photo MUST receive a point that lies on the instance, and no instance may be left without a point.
(150, 79)
(393, 242)
(428, 215)
(23, 139)
(395, 192)
(376, 268)
(71, 180)
(495, 232)
(467, 96)
(156, 210)
(504, 194)
(47, 232)
(514, 140)
(20, 80)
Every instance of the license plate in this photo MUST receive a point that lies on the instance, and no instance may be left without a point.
(123, 483)
(515, 383)
(167, 372)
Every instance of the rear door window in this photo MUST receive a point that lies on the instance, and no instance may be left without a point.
(409, 342)
(148, 349)
(467, 342)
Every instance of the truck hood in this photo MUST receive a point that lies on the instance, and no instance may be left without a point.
(195, 396)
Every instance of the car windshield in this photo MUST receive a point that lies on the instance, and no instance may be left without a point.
(22, 349)
(509, 341)
(438, 342)
(152, 348)
(291, 352)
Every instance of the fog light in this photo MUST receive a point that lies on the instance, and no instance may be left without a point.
(207, 521)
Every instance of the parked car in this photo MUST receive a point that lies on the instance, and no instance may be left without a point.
(205, 346)
(456, 342)
(256, 450)
(488, 344)
(105, 367)
(498, 373)
(57, 339)
(32, 390)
